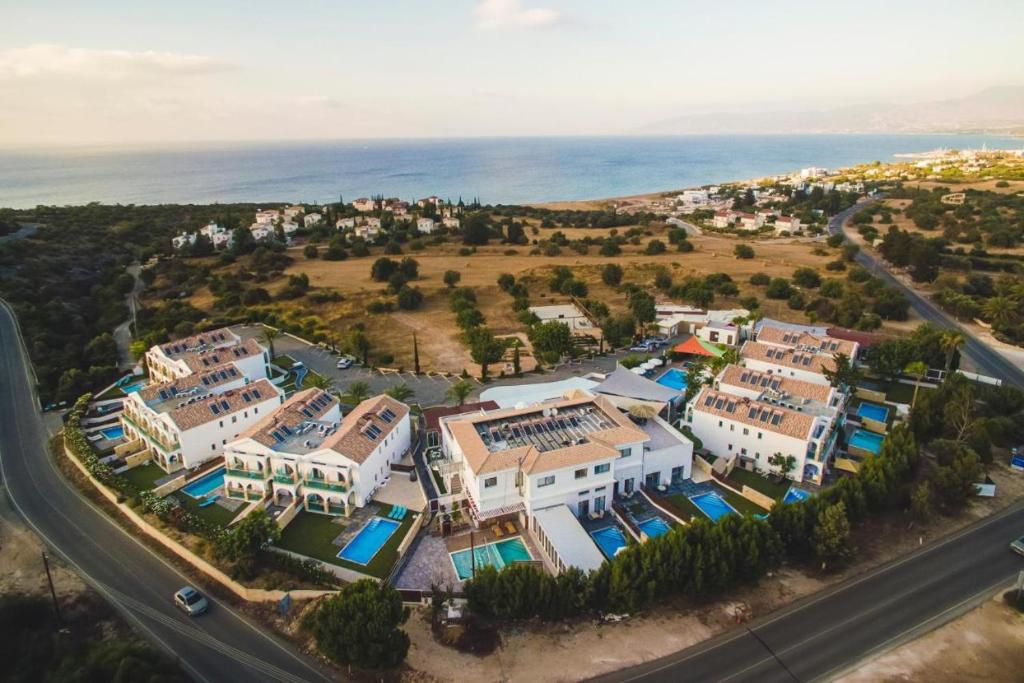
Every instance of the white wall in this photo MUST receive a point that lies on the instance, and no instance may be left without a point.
(207, 440)
(729, 439)
(368, 476)
(808, 375)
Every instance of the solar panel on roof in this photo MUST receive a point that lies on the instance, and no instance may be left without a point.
(806, 360)
(709, 400)
(224, 404)
(776, 418)
(286, 430)
(277, 437)
(730, 407)
(387, 415)
(206, 380)
(764, 416)
(232, 371)
(752, 413)
(246, 397)
(306, 412)
(214, 409)
(256, 393)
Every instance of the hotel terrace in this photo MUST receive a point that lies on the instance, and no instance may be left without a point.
(305, 453)
(201, 352)
(186, 421)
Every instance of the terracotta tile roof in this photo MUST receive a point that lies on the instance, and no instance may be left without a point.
(226, 403)
(366, 427)
(788, 357)
(739, 376)
(199, 361)
(600, 445)
(765, 416)
(864, 339)
(434, 415)
(827, 345)
(208, 379)
(214, 338)
(309, 404)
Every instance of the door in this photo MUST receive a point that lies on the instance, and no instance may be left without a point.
(583, 508)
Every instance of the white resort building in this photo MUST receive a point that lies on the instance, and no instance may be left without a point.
(306, 452)
(204, 351)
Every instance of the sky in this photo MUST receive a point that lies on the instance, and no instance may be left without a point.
(152, 71)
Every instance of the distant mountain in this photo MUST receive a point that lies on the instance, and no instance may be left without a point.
(996, 110)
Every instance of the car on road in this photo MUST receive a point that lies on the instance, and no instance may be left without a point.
(640, 348)
(190, 601)
(344, 363)
(1018, 546)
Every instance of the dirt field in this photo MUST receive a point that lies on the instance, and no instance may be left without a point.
(21, 565)
(988, 185)
(569, 652)
(986, 644)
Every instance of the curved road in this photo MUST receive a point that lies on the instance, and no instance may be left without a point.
(988, 361)
(219, 646)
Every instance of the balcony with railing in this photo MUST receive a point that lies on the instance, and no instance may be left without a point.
(158, 439)
(248, 495)
(260, 475)
(325, 485)
(283, 477)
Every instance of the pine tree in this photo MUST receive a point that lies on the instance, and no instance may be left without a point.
(415, 354)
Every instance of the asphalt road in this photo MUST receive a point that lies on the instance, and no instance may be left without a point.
(219, 646)
(985, 359)
(823, 635)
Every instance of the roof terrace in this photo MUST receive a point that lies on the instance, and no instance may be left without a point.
(546, 429)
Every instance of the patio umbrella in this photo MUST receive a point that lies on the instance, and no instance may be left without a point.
(643, 411)
(656, 362)
(639, 370)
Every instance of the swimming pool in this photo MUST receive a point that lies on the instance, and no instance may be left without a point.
(654, 527)
(496, 555)
(712, 505)
(609, 540)
(131, 388)
(206, 485)
(112, 432)
(867, 441)
(795, 495)
(673, 378)
(370, 539)
(872, 411)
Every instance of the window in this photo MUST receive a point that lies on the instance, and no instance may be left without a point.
(745, 431)
(581, 474)
(546, 481)
(760, 434)
(720, 424)
(730, 447)
(626, 452)
(234, 419)
(732, 428)
(490, 482)
(601, 469)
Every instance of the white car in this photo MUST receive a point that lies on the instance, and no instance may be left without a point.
(344, 363)
(190, 601)
(1018, 546)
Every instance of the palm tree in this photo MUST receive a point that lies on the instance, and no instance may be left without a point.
(917, 369)
(1000, 311)
(400, 392)
(951, 341)
(315, 380)
(357, 392)
(268, 336)
(459, 392)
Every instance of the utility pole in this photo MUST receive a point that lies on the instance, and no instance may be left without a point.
(53, 594)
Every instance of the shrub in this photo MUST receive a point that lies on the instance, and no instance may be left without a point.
(760, 279)
(611, 274)
(310, 251)
(778, 288)
(655, 247)
(744, 251)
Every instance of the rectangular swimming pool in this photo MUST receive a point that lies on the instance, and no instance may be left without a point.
(132, 388)
(872, 411)
(654, 527)
(112, 432)
(673, 378)
(368, 542)
(609, 540)
(209, 483)
(496, 555)
(794, 495)
(867, 441)
(712, 505)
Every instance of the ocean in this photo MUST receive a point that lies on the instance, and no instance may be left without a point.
(496, 170)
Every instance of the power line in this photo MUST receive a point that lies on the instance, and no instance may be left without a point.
(772, 653)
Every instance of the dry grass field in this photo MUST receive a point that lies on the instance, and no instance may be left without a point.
(987, 185)
(434, 324)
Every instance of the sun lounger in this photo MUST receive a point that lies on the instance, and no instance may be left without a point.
(510, 527)
(496, 530)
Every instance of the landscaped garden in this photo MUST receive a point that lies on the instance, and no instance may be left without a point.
(286, 363)
(214, 514)
(312, 535)
(143, 477)
(740, 477)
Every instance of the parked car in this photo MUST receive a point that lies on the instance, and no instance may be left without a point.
(344, 363)
(191, 601)
(1018, 546)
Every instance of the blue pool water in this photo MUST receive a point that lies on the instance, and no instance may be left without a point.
(496, 555)
(654, 527)
(369, 540)
(795, 495)
(209, 483)
(673, 378)
(868, 441)
(609, 540)
(112, 432)
(712, 505)
(132, 388)
(872, 411)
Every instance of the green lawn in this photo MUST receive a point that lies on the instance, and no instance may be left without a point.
(739, 503)
(311, 534)
(214, 514)
(684, 508)
(759, 483)
(143, 476)
(438, 481)
(284, 362)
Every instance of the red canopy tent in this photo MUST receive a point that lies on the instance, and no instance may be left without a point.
(697, 347)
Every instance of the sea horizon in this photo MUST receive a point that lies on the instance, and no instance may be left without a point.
(495, 169)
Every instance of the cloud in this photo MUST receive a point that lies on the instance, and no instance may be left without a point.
(503, 14)
(42, 62)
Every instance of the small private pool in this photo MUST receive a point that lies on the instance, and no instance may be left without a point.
(654, 527)
(673, 378)
(112, 432)
(200, 488)
(712, 505)
(368, 542)
(132, 388)
(794, 495)
(866, 441)
(495, 555)
(609, 539)
(873, 411)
